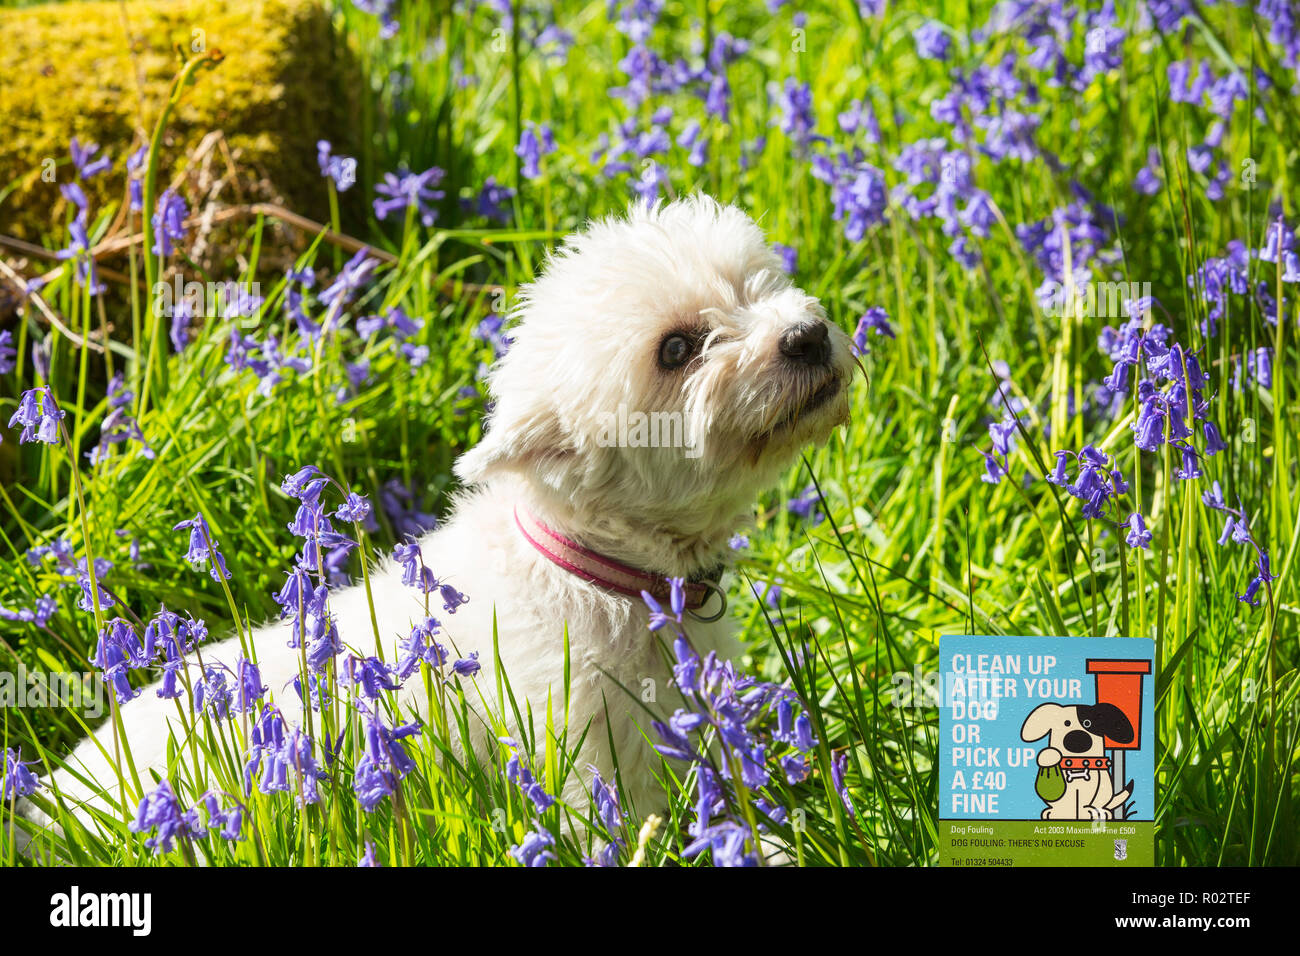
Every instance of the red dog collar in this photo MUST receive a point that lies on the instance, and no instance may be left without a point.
(600, 570)
(1085, 763)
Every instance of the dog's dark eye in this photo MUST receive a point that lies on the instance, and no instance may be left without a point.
(1067, 723)
(674, 351)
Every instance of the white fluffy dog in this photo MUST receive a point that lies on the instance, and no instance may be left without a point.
(680, 310)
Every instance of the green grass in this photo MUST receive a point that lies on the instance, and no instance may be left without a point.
(914, 543)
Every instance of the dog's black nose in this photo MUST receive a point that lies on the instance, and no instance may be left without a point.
(1078, 741)
(808, 343)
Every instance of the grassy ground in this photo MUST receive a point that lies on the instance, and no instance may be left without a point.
(913, 539)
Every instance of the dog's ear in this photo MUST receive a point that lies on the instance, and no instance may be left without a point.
(1107, 720)
(522, 435)
(1040, 721)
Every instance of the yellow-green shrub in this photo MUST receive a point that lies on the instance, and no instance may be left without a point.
(99, 70)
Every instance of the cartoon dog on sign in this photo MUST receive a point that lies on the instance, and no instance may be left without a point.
(1073, 769)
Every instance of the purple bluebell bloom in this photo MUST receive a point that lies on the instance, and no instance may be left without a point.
(18, 781)
(161, 811)
(467, 666)
(383, 10)
(39, 416)
(79, 252)
(932, 41)
(407, 190)
(492, 202)
(535, 142)
(169, 222)
(806, 505)
(1138, 536)
(342, 170)
(535, 848)
(199, 552)
(83, 159)
(134, 164)
(355, 274)
(8, 354)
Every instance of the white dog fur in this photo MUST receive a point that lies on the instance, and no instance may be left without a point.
(587, 338)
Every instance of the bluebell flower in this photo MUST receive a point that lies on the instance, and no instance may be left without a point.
(86, 601)
(230, 822)
(860, 117)
(796, 768)
(355, 274)
(299, 483)
(932, 41)
(518, 773)
(135, 163)
(248, 680)
(399, 504)
(605, 801)
(658, 618)
(421, 646)
(276, 750)
(79, 252)
(117, 652)
(323, 641)
(8, 354)
(876, 320)
(491, 329)
(369, 675)
(119, 426)
(1190, 466)
(535, 848)
(384, 760)
(794, 108)
(212, 692)
(1147, 181)
(39, 415)
(806, 505)
(383, 9)
(414, 572)
(467, 666)
(200, 553)
(729, 843)
(407, 190)
(161, 811)
(341, 169)
(170, 687)
(84, 162)
(492, 202)
(535, 142)
(1213, 442)
(653, 179)
(857, 192)
(18, 781)
(839, 772)
(169, 222)
(45, 608)
(74, 194)
(1138, 536)
(692, 138)
(179, 326)
(355, 508)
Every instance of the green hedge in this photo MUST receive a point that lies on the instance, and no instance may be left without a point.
(69, 69)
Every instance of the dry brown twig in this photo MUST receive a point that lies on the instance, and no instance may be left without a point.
(50, 315)
(115, 244)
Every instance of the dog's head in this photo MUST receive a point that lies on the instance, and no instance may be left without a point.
(675, 327)
(1078, 730)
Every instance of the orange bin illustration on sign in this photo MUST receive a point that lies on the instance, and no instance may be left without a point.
(1119, 682)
